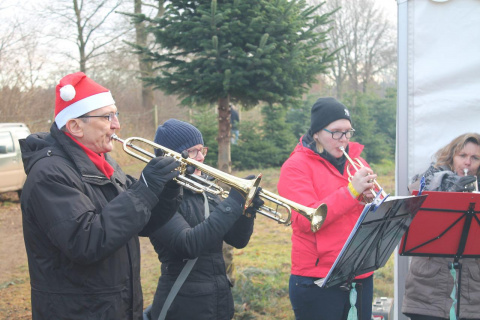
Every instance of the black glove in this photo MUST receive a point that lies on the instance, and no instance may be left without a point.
(465, 184)
(257, 202)
(158, 172)
(235, 195)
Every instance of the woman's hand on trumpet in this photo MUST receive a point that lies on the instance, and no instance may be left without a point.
(362, 183)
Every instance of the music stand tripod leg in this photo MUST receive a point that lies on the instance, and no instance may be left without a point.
(469, 214)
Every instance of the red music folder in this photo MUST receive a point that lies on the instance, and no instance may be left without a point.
(447, 225)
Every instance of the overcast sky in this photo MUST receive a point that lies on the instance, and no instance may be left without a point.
(390, 6)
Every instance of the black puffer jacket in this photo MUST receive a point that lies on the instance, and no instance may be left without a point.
(206, 293)
(80, 231)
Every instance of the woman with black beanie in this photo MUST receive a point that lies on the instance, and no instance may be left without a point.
(315, 173)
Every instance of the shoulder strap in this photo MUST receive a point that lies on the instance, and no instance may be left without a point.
(183, 274)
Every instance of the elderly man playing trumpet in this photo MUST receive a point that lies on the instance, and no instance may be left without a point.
(82, 213)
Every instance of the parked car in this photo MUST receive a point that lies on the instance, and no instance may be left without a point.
(12, 175)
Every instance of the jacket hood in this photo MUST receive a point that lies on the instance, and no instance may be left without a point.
(35, 147)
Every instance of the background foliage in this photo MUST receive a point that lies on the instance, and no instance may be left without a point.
(268, 139)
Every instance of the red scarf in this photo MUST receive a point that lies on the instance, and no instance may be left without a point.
(97, 159)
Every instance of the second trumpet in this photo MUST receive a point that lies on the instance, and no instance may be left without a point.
(357, 165)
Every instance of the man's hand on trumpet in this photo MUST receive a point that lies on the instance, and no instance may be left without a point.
(362, 184)
(158, 172)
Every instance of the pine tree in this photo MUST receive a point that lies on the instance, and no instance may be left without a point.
(237, 51)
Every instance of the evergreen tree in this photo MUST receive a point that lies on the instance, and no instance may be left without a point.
(367, 131)
(385, 112)
(278, 133)
(236, 51)
(298, 116)
(251, 150)
(203, 120)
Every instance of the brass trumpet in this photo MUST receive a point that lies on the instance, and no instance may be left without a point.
(357, 165)
(247, 188)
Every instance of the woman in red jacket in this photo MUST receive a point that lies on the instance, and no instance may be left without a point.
(314, 174)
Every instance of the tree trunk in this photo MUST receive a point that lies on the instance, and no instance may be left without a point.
(80, 40)
(145, 67)
(223, 138)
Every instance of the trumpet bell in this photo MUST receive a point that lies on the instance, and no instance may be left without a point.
(316, 216)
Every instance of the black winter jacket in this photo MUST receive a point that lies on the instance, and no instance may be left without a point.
(206, 293)
(80, 230)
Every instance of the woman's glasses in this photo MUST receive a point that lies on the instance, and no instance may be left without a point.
(193, 153)
(337, 135)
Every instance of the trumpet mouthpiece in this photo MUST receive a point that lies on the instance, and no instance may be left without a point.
(465, 171)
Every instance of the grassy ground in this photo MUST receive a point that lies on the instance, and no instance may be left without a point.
(262, 268)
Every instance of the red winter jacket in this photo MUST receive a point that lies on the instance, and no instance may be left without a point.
(311, 180)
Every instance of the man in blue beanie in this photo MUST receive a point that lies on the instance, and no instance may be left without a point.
(189, 246)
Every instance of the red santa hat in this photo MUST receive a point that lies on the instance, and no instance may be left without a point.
(77, 95)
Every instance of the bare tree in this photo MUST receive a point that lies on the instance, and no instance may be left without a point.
(365, 39)
(92, 26)
(146, 68)
(22, 72)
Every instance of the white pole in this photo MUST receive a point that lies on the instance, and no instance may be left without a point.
(401, 171)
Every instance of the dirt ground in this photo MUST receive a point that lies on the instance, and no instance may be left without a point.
(14, 284)
(12, 247)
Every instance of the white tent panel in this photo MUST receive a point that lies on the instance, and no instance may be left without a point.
(438, 89)
(444, 76)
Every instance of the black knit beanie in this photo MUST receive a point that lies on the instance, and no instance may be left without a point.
(325, 111)
(177, 135)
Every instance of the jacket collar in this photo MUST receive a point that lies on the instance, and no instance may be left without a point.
(56, 143)
(354, 150)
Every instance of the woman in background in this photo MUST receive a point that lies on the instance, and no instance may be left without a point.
(429, 283)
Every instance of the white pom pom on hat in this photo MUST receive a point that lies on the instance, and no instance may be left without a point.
(67, 92)
(76, 95)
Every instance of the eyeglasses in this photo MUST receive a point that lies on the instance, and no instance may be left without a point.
(109, 116)
(337, 135)
(193, 153)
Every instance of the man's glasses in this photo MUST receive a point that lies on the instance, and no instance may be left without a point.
(337, 135)
(109, 116)
(193, 153)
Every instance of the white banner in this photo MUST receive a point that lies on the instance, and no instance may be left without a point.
(443, 76)
(438, 90)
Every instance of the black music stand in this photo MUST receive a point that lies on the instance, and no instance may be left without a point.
(373, 239)
(453, 230)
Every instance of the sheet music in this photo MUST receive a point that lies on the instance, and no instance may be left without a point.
(365, 210)
(393, 215)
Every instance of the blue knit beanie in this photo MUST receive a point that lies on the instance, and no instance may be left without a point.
(177, 135)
